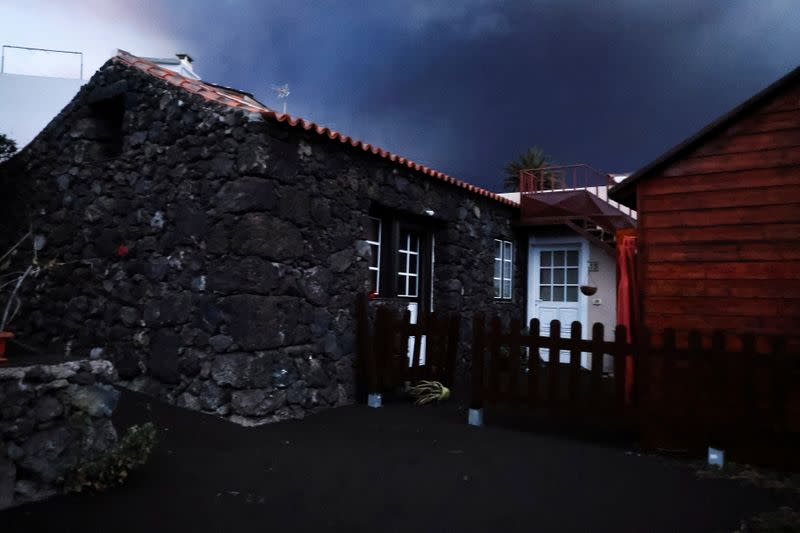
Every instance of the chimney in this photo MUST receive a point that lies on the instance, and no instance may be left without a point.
(186, 65)
(182, 65)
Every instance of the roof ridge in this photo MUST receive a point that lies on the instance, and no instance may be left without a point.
(619, 191)
(214, 93)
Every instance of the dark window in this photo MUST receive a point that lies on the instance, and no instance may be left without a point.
(400, 263)
(408, 254)
(105, 129)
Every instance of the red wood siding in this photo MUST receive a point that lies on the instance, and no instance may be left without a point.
(719, 228)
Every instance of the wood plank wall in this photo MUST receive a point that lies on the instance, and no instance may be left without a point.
(719, 228)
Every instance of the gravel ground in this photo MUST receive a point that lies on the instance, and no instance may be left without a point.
(399, 468)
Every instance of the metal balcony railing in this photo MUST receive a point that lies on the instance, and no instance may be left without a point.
(562, 177)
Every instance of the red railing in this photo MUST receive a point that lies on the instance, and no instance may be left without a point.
(553, 178)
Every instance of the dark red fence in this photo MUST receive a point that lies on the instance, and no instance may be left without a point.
(387, 362)
(738, 392)
(508, 369)
(677, 391)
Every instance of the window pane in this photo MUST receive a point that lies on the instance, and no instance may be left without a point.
(544, 294)
(402, 287)
(507, 251)
(401, 261)
(497, 288)
(572, 294)
(546, 258)
(572, 258)
(412, 285)
(373, 229)
(558, 294)
(506, 269)
(373, 281)
(403, 240)
(572, 276)
(507, 289)
(558, 258)
(558, 275)
(497, 264)
(412, 264)
(498, 251)
(545, 275)
(414, 242)
(373, 260)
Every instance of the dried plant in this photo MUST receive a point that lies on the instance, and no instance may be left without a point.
(10, 282)
(429, 391)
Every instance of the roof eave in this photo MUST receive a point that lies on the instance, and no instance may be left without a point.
(625, 191)
(200, 87)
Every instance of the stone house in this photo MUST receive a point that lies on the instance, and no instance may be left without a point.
(213, 248)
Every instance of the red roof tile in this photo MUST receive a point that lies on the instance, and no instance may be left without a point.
(239, 101)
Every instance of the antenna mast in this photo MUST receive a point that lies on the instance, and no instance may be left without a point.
(283, 93)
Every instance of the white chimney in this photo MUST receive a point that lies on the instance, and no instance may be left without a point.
(182, 65)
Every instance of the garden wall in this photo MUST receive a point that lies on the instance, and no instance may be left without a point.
(215, 256)
(51, 415)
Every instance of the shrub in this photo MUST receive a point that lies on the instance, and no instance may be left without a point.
(111, 468)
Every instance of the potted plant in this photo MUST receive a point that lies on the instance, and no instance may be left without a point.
(588, 290)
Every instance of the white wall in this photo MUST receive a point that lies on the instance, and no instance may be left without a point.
(29, 103)
(606, 312)
(605, 279)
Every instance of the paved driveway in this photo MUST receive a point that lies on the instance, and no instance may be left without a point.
(399, 468)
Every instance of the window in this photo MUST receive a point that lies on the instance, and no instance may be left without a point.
(558, 276)
(401, 264)
(408, 264)
(374, 241)
(503, 261)
(106, 117)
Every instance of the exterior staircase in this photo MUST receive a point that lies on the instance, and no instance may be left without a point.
(575, 196)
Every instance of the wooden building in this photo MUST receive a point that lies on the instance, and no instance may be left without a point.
(719, 221)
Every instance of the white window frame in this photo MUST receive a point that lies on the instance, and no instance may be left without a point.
(404, 271)
(377, 267)
(504, 254)
(565, 285)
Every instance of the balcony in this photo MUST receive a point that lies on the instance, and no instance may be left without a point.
(575, 196)
(561, 178)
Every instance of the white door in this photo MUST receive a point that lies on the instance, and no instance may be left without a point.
(413, 308)
(554, 291)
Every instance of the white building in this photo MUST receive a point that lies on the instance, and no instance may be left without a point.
(36, 84)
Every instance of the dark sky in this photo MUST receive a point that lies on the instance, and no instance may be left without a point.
(464, 86)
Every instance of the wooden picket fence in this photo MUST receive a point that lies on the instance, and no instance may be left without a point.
(677, 390)
(383, 343)
(507, 369)
(739, 392)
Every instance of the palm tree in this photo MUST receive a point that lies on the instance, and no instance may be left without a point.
(533, 159)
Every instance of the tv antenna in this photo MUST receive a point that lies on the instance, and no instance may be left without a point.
(283, 92)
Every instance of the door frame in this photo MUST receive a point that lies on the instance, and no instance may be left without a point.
(534, 244)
